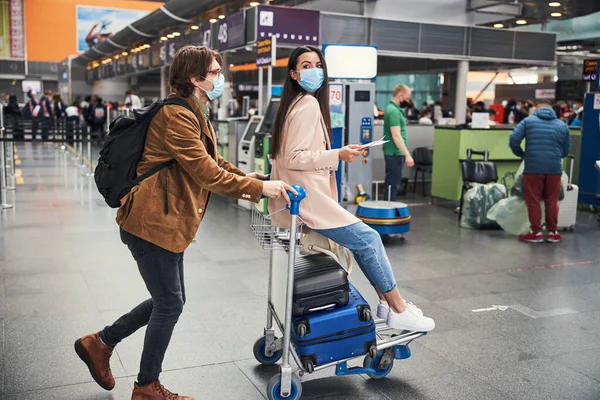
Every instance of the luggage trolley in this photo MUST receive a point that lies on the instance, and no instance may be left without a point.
(268, 350)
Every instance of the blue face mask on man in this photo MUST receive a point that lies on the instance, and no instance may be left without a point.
(218, 86)
(311, 79)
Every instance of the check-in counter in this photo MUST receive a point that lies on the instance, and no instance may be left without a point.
(450, 146)
(418, 136)
(229, 133)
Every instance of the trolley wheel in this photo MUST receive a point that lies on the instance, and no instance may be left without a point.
(261, 357)
(380, 373)
(301, 330)
(373, 351)
(309, 365)
(365, 314)
(274, 385)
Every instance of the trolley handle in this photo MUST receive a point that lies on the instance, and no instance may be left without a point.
(294, 207)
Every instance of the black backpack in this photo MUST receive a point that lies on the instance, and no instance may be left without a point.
(116, 171)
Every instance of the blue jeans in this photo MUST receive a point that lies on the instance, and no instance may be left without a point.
(366, 245)
(162, 272)
(393, 175)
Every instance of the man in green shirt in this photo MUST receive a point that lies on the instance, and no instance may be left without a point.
(396, 150)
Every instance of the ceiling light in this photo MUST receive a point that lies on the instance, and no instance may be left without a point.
(498, 25)
(176, 34)
(195, 27)
(556, 14)
(125, 53)
(554, 4)
(231, 65)
(221, 16)
(212, 20)
(254, 4)
(170, 36)
(146, 46)
(521, 22)
(162, 39)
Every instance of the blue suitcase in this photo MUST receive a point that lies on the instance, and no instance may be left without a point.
(326, 336)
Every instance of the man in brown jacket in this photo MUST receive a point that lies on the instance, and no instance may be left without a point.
(161, 215)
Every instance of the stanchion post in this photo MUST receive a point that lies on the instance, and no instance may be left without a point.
(8, 156)
(88, 129)
(3, 205)
(89, 155)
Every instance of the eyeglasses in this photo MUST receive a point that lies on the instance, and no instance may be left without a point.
(216, 72)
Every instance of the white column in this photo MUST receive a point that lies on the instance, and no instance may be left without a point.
(164, 82)
(224, 100)
(460, 113)
(260, 91)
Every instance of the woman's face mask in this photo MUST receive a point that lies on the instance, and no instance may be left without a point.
(311, 79)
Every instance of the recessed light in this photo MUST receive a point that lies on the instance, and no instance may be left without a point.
(554, 4)
(254, 4)
(125, 53)
(146, 46)
(231, 65)
(556, 14)
(498, 25)
(221, 16)
(195, 27)
(176, 34)
(212, 20)
(164, 38)
(521, 22)
(170, 36)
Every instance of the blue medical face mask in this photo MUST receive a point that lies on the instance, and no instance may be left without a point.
(311, 79)
(218, 86)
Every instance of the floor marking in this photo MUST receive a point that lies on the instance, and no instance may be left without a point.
(492, 308)
(18, 172)
(554, 266)
(543, 314)
(19, 180)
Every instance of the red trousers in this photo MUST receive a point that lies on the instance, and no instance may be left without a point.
(538, 187)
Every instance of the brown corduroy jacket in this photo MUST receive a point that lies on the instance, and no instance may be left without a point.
(167, 208)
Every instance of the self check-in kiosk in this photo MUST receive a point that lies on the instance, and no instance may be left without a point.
(246, 150)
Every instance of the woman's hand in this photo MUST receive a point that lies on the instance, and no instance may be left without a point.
(256, 175)
(349, 153)
(277, 189)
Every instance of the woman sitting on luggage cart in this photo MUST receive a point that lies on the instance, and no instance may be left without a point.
(302, 154)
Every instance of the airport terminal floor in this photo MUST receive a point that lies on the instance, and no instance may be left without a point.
(64, 273)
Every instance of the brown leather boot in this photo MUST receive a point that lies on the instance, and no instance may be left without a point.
(155, 391)
(96, 355)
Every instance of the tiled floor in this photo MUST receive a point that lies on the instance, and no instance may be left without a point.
(64, 273)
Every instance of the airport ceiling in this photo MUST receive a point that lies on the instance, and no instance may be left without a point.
(538, 11)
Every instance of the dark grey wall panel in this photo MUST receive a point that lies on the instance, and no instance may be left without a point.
(251, 24)
(339, 29)
(395, 35)
(12, 67)
(535, 46)
(491, 43)
(443, 39)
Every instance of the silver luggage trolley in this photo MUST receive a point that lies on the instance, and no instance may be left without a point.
(269, 349)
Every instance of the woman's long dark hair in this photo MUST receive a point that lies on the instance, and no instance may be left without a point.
(291, 90)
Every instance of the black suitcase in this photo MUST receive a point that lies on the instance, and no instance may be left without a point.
(320, 283)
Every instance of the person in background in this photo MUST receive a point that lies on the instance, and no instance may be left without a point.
(12, 115)
(97, 116)
(29, 112)
(492, 119)
(425, 117)
(45, 114)
(547, 142)
(577, 121)
(395, 151)
(73, 121)
(132, 100)
(59, 110)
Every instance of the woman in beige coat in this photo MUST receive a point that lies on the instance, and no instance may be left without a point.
(302, 154)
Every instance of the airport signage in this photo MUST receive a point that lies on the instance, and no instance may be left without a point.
(232, 32)
(293, 26)
(590, 70)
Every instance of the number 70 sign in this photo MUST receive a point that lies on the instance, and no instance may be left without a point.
(336, 92)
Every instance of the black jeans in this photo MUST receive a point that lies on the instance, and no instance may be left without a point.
(393, 175)
(162, 272)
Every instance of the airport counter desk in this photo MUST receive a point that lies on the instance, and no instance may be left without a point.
(450, 146)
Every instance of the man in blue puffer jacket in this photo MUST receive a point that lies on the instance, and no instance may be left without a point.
(547, 142)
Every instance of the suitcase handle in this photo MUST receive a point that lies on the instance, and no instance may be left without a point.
(325, 307)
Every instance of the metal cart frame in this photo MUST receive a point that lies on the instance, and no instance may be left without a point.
(268, 349)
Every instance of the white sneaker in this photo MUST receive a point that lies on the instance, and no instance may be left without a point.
(411, 319)
(383, 309)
